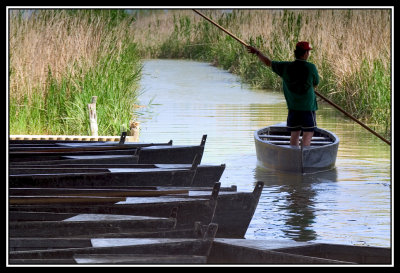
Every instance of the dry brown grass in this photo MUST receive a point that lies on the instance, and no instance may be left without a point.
(341, 37)
(54, 41)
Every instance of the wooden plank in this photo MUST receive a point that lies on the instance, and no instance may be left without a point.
(93, 116)
(14, 216)
(346, 253)
(248, 251)
(58, 149)
(27, 200)
(36, 243)
(96, 192)
(66, 138)
(68, 217)
(54, 153)
(61, 164)
(288, 137)
(39, 261)
(190, 210)
(147, 246)
(54, 170)
(74, 144)
(313, 143)
(140, 177)
(105, 159)
(89, 225)
(138, 259)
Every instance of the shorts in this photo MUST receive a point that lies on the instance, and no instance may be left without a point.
(301, 120)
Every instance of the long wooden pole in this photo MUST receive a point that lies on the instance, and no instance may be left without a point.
(318, 94)
(221, 28)
(353, 118)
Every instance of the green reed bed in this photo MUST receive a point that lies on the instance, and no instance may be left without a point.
(59, 59)
(351, 49)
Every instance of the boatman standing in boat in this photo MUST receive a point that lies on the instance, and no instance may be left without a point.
(299, 80)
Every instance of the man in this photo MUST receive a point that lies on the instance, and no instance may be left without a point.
(299, 80)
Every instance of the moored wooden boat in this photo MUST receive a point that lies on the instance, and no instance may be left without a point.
(114, 250)
(189, 210)
(137, 153)
(231, 210)
(204, 175)
(275, 152)
(252, 251)
(136, 177)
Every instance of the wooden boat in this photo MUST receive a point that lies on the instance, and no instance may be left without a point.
(274, 151)
(137, 153)
(231, 210)
(114, 250)
(204, 175)
(189, 210)
(252, 251)
(138, 175)
(108, 177)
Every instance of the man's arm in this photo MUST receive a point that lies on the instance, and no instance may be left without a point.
(261, 56)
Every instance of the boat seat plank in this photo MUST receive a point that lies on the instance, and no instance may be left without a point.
(151, 192)
(42, 261)
(313, 143)
(89, 225)
(138, 259)
(25, 200)
(98, 156)
(70, 217)
(118, 242)
(37, 243)
(288, 137)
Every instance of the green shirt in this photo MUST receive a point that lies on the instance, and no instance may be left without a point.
(299, 78)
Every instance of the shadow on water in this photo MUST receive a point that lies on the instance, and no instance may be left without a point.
(294, 196)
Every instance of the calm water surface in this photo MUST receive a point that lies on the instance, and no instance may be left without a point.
(349, 205)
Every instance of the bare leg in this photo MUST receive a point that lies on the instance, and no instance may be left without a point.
(294, 138)
(307, 138)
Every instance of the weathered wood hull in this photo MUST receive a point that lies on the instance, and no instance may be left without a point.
(234, 251)
(235, 210)
(99, 204)
(144, 154)
(274, 152)
(88, 225)
(137, 174)
(189, 210)
(138, 178)
(116, 251)
(232, 211)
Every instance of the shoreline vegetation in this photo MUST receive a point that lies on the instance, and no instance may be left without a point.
(59, 59)
(64, 57)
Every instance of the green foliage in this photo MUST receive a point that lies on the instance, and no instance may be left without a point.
(63, 110)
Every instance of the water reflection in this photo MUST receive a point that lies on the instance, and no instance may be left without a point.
(350, 204)
(293, 195)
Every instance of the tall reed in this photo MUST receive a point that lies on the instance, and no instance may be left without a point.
(59, 59)
(352, 49)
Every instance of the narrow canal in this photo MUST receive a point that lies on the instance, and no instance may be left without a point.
(349, 205)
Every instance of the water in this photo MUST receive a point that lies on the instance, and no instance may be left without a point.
(349, 205)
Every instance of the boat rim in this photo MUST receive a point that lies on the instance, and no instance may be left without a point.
(332, 135)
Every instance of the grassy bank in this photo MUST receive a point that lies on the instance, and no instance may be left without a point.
(352, 49)
(59, 59)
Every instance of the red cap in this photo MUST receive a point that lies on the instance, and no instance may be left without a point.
(303, 45)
